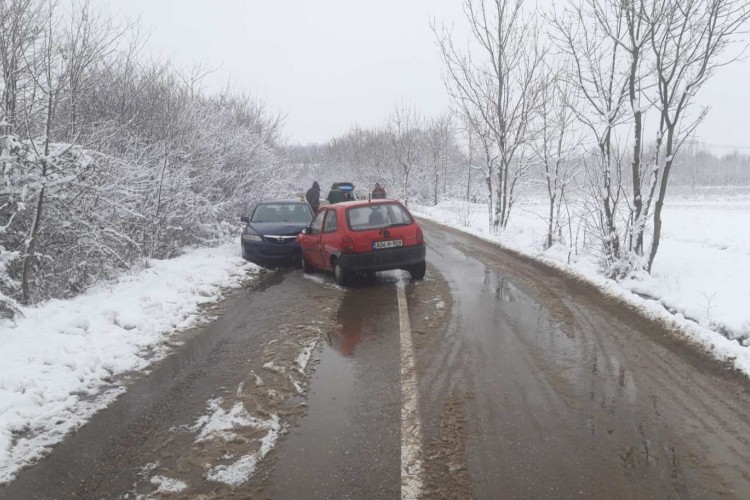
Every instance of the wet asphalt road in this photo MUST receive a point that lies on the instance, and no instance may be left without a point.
(529, 386)
(562, 394)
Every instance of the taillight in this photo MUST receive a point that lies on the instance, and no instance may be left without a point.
(420, 236)
(347, 244)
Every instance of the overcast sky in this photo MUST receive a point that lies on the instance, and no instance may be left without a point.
(329, 64)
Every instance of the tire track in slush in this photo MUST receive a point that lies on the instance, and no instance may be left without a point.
(411, 430)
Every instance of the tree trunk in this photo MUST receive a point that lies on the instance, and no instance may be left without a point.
(506, 200)
(639, 225)
(437, 186)
(491, 206)
(550, 227)
(31, 246)
(73, 112)
(498, 199)
(36, 225)
(406, 187)
(662, 195)
(612, 243)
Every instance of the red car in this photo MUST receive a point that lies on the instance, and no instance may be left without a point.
(363, 236)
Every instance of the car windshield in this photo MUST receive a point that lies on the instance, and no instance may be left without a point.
(283, 212)
(377, 216)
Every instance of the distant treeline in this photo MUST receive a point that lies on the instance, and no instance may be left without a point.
(702, 168)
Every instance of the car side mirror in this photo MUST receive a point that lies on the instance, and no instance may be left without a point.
(304, 231)
(245, 219)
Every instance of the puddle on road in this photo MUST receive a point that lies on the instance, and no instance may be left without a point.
(353, 418)
(552, 339)
(489, 299)
(352, 320)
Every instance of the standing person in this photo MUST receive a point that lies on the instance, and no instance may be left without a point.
(378, 193)
(313, 197)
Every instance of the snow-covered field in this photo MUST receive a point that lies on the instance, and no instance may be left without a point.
(701, 273)
(58, 362)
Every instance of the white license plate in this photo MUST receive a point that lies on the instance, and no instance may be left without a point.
(378, 245)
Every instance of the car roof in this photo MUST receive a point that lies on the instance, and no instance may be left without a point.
(361, 203)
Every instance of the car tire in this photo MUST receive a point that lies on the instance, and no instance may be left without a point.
(244, 253)
(306, 267)
(340, 274)
(418, 271)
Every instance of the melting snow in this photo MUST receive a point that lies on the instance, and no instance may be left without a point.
(167, 485)
(220, 423)
(304, 357)
(241, 470)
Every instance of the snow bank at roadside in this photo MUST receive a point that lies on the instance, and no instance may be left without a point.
(58, 362)
(701, 277)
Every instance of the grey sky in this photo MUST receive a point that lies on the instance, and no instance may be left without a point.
(333, 63)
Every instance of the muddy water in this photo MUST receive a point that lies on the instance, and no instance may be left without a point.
(147, 431)
(560, 394)
(348, 444)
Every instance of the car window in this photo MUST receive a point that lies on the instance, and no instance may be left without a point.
(317, 223)
(282, 212)
(377, 216)
(331, 223)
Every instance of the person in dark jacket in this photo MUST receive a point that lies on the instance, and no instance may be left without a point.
(378, 193)
(313, 197)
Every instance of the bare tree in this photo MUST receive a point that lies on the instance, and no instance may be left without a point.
(689, 44)
(438, 133)
(87, 38)
(479, 131)
(499, 85)
(638, 35)
(557, 146)
(623, 22)
(600, 78)
(22, 23)
(47, 83)
(404, 126)
(470, 141)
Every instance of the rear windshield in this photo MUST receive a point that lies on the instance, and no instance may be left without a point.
(377, 216)
(282, 212)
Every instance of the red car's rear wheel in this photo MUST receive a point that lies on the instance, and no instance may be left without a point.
(418, 271)
(342, 275)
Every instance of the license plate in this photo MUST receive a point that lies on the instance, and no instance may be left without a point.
(379, 245)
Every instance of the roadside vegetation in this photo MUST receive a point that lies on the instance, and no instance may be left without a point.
(110, 158)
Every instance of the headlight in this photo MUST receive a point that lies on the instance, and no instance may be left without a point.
(251, 237)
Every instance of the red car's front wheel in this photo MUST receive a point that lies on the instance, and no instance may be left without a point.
(306, 267)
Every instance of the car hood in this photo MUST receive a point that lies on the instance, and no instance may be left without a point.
(277, 228)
